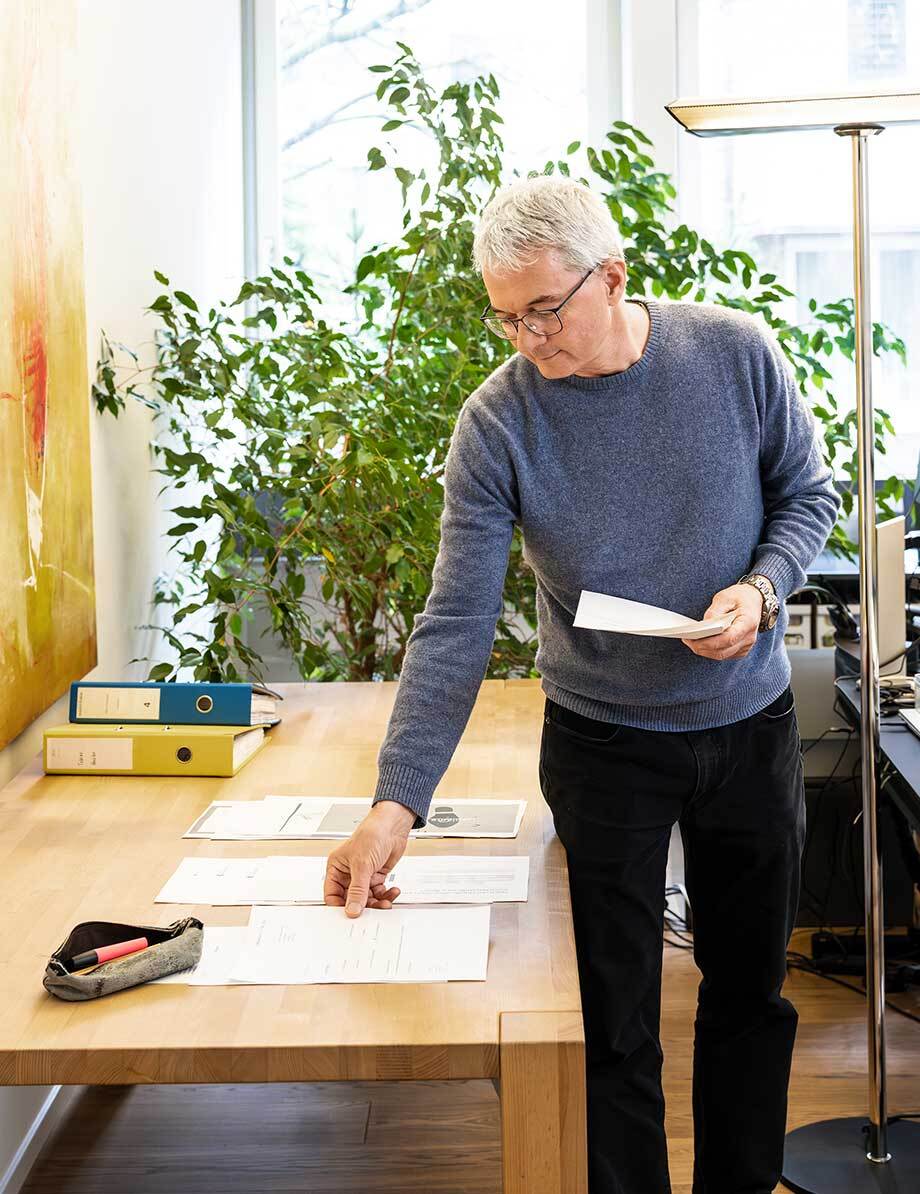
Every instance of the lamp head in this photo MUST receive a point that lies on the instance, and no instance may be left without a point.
(737, 116)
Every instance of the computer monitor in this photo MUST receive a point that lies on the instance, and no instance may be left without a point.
(889, 539)
(891, 601)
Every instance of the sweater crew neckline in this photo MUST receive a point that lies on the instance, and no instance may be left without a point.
(616, 381)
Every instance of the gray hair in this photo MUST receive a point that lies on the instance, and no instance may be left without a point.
(548, 211)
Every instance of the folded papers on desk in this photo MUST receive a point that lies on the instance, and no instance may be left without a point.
(293, 817)
(289, 879)
(304, 945)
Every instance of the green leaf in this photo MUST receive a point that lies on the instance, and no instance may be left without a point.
(186, 300)
(365, 265)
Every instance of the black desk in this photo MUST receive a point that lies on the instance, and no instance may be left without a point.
(897, 743)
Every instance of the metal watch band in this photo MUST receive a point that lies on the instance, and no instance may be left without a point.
(764, 587)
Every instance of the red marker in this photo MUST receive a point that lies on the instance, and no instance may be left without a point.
(105, 953)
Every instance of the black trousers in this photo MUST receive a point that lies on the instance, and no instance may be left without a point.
(737, 792)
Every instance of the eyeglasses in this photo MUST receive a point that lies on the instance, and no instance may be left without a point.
(541, 323)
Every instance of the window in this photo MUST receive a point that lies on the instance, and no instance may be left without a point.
(333, 208)
(787, 197)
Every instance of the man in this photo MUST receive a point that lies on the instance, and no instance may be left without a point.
(659, 452)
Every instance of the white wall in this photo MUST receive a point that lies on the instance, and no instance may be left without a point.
(160, 146)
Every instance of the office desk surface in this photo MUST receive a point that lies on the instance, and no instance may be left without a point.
(76, 848)
(897, 743)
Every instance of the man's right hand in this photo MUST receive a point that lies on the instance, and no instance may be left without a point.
(356, 871)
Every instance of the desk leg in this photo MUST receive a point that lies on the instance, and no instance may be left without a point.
(544, 1137)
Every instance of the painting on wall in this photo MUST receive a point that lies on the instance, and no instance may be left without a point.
(47, 598)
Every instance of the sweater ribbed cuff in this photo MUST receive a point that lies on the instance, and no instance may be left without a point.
(407, 786)
(777, 568)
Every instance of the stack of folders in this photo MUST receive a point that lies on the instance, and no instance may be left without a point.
(147, 728)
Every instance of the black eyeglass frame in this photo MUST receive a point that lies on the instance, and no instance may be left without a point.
(487, 314)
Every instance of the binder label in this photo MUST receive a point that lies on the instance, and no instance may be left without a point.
(90, 754)
(119, 704)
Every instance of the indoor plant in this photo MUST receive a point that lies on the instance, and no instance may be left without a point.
(300, 442)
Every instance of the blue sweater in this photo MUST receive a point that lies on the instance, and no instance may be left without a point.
(663, 483)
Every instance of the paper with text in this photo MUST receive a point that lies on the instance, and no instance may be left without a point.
(323, 945)
(298, 879)
(598, 611)
(307, 817)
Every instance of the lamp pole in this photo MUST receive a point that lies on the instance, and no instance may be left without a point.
(847, 1155)
(868, 603)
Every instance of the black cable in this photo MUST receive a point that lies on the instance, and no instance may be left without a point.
(675, 924)
(797, 961)
(820, 906)
(848, 730)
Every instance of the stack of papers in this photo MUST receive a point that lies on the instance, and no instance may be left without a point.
(598, 611)
(286, 879)
(323, 945)
(292, 817)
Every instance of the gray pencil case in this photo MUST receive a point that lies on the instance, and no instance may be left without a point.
(170, 949)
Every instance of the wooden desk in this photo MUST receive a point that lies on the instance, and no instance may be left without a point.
(76, 848)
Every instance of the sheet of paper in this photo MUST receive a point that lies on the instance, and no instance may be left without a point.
(457, 949)
(280, 880)
(473, 818)
(598, 611)
(323, 945)
(338, 817)
(305, 817)
(258, 820)
(214, 819)
(219, 951)
(204, 880)
(298, 879)
(460, 879)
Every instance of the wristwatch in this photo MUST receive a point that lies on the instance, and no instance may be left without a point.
(764, 586)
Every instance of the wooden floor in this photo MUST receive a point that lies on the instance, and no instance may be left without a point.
(441, 1138)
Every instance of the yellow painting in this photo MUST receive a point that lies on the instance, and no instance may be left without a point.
(47, 600)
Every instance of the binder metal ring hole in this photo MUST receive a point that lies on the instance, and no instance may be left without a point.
(204, 704)
(183, 754)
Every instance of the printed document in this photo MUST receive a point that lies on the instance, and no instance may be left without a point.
(294, 817)
(598, 611)
(323, 945)
(297, 879)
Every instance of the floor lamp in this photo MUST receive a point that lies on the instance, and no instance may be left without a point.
(846, 1156)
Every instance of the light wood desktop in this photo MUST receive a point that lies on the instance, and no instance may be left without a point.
(75, 848)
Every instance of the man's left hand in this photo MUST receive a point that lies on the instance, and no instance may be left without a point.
(746, 603)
